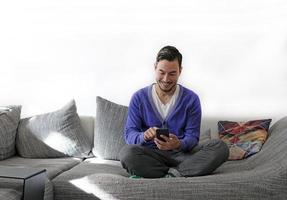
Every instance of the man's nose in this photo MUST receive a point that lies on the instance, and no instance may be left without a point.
(165, 78)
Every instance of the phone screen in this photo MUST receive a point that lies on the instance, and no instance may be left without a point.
(162, 131)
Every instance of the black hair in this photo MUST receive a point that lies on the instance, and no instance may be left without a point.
(169, 53)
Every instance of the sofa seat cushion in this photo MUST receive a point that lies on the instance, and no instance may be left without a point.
(93, 166)
(91, 181)
(54, 166)
(9, 194)
(74, 184)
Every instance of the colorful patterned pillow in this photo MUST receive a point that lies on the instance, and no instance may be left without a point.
(243, 138)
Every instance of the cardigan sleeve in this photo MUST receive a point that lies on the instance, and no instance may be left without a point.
(133, 132)
(192, 129)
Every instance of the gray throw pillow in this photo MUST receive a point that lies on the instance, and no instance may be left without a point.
(52, 135)
(9, 120)
(109, 129)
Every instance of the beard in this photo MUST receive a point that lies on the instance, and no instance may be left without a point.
(166, 89)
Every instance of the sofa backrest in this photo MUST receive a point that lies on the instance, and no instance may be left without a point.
(87, 123)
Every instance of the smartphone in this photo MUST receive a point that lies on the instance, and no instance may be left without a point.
(162, 131)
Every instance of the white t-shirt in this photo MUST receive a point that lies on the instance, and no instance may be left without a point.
(164, 109)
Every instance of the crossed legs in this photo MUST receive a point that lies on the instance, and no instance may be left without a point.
(155, 163)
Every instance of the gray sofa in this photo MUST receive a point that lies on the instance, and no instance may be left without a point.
(261, 176)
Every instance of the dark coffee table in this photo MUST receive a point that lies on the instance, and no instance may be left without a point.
(33, 180)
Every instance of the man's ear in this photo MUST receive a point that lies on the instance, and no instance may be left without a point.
(180, 69)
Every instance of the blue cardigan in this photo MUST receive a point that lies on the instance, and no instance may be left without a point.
(183, 120)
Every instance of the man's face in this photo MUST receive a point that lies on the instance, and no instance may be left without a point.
(167, 74)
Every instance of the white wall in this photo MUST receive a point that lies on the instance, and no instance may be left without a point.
(235, 52)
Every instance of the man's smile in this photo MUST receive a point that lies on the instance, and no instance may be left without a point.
(166, 84)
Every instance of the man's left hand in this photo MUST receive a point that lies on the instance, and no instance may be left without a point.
(170, 143)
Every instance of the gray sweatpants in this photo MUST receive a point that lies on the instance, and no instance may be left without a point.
(154, 163)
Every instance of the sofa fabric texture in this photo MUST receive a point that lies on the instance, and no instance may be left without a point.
(9, 119)
(9, 194)
(204, 136)
(109, 129)
(79, 182)
(53, 135)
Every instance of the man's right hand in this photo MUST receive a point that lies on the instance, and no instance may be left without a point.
(149, 134)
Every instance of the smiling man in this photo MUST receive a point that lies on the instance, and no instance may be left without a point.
(166, 104)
